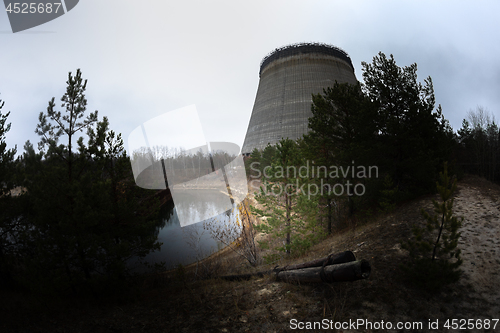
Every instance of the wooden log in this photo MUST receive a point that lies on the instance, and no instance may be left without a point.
(332, 259)
(350, 271)
(241, 277)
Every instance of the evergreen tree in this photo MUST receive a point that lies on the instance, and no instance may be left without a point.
(86, 218)
(390, 122)
(279, 195)
(9, 224)
(253, 164)
(414, 137)
(479, 146)
(6, 155)
(342, 132)
(434, 257)
(464, 154)
(342, 125)
(268, 155)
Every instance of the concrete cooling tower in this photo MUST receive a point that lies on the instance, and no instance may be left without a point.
(288, 77)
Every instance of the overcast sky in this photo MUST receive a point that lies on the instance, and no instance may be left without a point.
(145, 58)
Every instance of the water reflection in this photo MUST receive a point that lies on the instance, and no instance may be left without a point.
(196, 241)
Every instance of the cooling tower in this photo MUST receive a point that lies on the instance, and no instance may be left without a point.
(288, 77)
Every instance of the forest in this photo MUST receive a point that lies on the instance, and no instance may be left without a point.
(71, 215)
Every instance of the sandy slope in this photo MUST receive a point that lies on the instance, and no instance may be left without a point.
(480, 242)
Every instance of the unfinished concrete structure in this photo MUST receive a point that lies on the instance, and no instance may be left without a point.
(288, 77)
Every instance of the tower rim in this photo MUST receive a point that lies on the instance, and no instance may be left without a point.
(304, 48)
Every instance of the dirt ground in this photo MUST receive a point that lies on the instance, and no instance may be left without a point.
(475, 296)
(177, 303)
(478, 202)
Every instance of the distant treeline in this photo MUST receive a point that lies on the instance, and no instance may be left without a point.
(479, 145)
(180, 165)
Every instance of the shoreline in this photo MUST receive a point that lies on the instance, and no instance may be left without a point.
(227, 251)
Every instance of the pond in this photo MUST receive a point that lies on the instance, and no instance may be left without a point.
(185, 245)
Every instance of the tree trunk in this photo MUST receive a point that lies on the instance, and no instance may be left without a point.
(330, 216)
(332, 259)
(288, 222)
(351, 271)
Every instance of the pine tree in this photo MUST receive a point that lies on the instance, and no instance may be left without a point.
(280, 196)
(6, 156)
(342, 131)
(253, 164)
(414, 137)
(85, 216)
(9, 224)
(342, 125)
(434, 257)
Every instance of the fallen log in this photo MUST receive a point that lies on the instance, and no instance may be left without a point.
(240, 277)
(350, 271)
(332, 259)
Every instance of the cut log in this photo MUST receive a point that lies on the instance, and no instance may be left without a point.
(241, 277)
(350, 271)
(332, 259)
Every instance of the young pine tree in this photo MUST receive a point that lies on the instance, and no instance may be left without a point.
(434, 257)
(280, 196)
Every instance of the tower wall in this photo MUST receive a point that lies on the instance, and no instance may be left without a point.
(288, 78)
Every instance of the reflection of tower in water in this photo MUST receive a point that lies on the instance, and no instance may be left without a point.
(185, 245)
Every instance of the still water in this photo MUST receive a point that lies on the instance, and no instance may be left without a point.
(185, 245)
